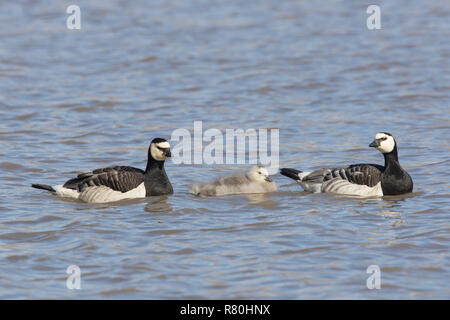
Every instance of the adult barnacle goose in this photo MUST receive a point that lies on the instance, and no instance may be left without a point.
(366, 180)
(254, 181)
(120, 182)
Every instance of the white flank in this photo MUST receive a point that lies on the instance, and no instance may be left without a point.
(66, 192)
(301, 175)
(311, 187)
(104, 194)
(101, 194)
(339, 186)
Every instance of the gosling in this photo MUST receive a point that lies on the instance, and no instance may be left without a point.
(256, 180)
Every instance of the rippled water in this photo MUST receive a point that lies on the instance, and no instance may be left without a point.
(75, 100)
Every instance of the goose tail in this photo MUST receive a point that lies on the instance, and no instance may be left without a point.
(43, 187)
(291, 173)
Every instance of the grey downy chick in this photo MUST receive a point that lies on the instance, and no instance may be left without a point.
(256, 180)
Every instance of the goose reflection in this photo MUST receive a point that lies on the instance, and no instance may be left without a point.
(262, 200)
(159, 205)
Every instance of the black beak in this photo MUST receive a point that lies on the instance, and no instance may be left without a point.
(268, 179)
(167, 153)
(375, 144)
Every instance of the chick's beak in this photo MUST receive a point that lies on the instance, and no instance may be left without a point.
(375, 143)
(268, 179)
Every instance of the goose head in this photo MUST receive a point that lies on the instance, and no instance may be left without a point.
(159, 149)
(259, 174)
(383, 142)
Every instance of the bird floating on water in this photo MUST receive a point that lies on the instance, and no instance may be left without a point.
(367, 180)
(120, 182)
(256, 180)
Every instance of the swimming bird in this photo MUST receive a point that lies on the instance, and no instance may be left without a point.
(256, 180)
(367, 180)
(120, 182)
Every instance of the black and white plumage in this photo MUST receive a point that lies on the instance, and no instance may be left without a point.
(120, 182)
(367, 180)
(256, 180)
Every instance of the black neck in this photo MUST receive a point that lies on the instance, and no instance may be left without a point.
(154, 164)
(391, 158)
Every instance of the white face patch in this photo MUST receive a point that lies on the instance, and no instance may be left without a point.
(387, 142)
(164, 145)
(380, 135)
(158, 154)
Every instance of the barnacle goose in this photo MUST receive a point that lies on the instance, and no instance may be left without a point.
(254, 181)
(367, 180)
(120, 182)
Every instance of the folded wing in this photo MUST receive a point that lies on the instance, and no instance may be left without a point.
(357, 179)
(120, 178)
